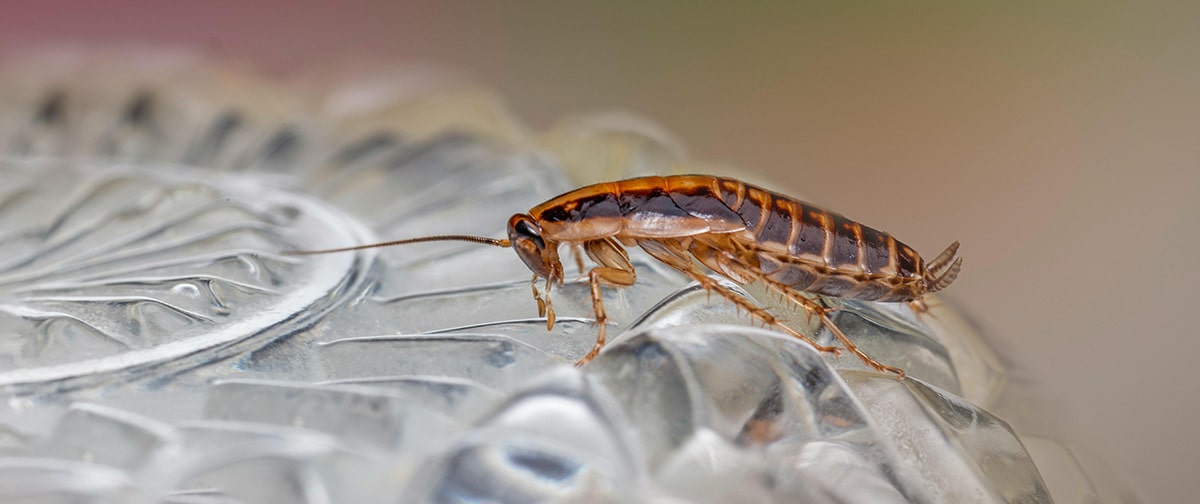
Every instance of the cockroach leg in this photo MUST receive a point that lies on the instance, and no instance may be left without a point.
(549, 307)
(615, 277)
(660, 250)
(578, 255)
(813, 307)
(545, 309)
(537, 296)
(615, 271)
(879, 366)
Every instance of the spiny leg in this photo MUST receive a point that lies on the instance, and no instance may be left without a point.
(730, 262)
(615, 271)
(609, 276)
(674, 258)
(814, 308)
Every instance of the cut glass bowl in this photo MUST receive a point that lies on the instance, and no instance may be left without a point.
(158, 345)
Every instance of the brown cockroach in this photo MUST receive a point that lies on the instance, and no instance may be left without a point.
(739, 231)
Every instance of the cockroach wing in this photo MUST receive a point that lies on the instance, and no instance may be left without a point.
(700, 202)
(653, 214)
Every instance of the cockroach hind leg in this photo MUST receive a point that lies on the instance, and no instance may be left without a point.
(867, 359)
(837, 352)
(884, 368)
(674, 258)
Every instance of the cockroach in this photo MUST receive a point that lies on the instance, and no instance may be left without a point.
(739, 231)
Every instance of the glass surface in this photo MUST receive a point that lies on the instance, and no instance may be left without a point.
(158, 345)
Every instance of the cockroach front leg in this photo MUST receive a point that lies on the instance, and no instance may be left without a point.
(545, 309)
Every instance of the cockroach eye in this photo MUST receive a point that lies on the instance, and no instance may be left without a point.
(526, 230)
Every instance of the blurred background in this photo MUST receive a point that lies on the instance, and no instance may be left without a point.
(1058, 143)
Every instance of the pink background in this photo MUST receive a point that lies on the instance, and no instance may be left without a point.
(1059, 143)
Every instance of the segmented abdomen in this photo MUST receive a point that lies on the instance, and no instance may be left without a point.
(812, 249)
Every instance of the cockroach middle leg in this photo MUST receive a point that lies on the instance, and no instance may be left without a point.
(614, 277)
(578, 255)
(615, 270)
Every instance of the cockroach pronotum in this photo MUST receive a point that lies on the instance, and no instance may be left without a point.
(739, 231)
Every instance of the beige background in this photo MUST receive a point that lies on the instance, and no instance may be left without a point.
(1058, 143)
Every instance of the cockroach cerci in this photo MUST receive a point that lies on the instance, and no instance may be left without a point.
(739, 231)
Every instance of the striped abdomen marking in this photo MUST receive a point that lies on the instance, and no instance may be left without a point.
(809, 248)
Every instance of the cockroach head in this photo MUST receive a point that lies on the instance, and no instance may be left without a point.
(539, 255)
